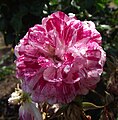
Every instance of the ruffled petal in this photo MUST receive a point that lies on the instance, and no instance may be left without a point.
(60, 59)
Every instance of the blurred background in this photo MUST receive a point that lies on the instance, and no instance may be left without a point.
(17, 16)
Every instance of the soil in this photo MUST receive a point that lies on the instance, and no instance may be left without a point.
(7, 111)
(7, 86)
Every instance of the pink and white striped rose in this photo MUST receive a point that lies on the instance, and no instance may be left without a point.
(60, 58)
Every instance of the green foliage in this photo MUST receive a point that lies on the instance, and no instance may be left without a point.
(90, 106)
(116, 2)
(6, 68)
(16, 16)
(5, 71)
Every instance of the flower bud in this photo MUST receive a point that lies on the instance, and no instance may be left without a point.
(15, 97)
(29, 111)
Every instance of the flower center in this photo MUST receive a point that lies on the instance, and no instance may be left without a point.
(56, 59)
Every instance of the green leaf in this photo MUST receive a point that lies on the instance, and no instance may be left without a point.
(116, 2)
(73, 3)
(53, 2)
(109, 98)
(104, 27)
(90, 106)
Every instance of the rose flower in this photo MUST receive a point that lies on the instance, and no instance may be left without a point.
(59, 59)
